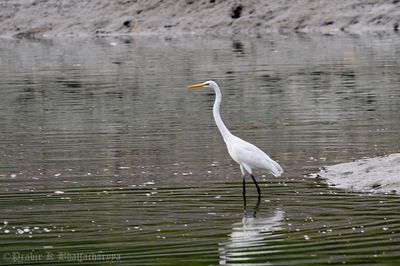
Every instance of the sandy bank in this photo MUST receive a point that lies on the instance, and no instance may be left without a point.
(380, 174)
(38, 18)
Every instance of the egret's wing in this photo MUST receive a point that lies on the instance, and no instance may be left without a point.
(249, 154)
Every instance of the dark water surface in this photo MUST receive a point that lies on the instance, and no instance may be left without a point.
(107, 159)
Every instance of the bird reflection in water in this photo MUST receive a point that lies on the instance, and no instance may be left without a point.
(249, 238)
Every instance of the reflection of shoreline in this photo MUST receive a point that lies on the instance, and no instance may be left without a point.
(247, 235)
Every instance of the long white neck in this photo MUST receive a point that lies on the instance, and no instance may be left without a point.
(226, 134)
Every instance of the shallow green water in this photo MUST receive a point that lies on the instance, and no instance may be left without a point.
(107, 159)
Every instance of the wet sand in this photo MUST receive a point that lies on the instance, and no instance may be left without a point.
(379, 174)
(52, 18)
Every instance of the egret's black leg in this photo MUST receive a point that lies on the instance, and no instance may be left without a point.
(244, 194)
(257, 206)
(258, 188)
(244, 187)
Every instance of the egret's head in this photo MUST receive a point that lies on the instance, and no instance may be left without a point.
(207, 84)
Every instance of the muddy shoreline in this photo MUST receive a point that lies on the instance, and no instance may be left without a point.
(373, 175)
(55, 18)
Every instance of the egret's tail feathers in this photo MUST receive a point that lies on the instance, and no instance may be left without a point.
(276, 169)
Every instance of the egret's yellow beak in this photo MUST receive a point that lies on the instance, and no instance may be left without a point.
(196, 85)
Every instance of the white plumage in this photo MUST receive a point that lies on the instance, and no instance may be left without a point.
(247, 155)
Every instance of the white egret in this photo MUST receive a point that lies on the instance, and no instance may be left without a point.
(247, 155)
